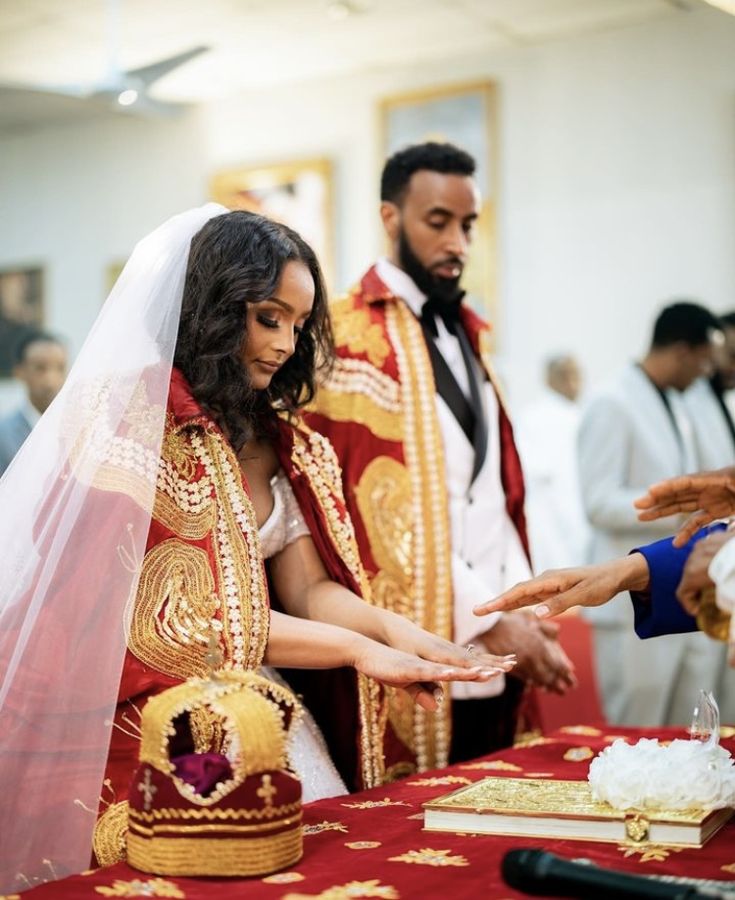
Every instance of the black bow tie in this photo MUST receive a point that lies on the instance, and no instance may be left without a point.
(444, 309)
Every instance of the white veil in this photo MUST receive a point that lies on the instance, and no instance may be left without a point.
(73, 535)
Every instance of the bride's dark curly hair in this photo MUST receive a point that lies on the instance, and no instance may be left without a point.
(235, 259)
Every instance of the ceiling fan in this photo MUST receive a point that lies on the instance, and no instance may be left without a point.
(119, 89)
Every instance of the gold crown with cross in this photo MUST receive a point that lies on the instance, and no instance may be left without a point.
(214, 793)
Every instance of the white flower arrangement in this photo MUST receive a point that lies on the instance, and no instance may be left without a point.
(685, 774)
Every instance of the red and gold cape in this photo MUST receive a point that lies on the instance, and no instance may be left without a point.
(203, 574)
(378, 411)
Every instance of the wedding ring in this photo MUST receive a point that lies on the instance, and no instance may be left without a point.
(469, 649)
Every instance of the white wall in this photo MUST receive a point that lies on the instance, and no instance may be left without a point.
(617, 164)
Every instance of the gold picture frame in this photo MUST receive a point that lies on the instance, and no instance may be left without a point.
(22, 310)
(113, 271)
(298, 193)
(466, 115)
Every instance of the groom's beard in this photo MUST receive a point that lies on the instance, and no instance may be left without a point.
(446, 289)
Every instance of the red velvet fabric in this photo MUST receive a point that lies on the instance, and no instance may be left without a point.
(203, 771)
(347, 843)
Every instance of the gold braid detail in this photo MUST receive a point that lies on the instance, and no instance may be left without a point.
(108, 840)
(424, 457)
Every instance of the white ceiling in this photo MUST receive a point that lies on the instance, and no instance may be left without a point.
(261, 42)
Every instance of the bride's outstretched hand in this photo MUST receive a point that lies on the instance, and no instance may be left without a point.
(707, 496)
(402, 634)
(420, 678)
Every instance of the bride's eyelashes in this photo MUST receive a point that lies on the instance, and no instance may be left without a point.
(268, 322)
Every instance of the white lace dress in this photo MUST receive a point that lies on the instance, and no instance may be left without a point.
(309, 754)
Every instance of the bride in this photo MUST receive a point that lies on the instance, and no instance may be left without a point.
(166, 500)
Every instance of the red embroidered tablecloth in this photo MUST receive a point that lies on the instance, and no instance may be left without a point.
(372, 844)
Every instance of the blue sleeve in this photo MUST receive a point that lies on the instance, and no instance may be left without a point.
(657, 611)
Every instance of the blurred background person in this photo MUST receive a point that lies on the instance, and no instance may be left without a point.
(41, 362)
(634, 432)
(707, 404)
(546, 432)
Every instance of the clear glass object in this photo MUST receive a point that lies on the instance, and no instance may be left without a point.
(706, 720)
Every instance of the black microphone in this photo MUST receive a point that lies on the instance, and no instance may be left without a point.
(540, 873)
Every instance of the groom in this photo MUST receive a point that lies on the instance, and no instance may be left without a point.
(430, 470)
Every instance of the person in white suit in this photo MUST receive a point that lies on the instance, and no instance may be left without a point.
(707, 402)
(546, 434)
(633, 433)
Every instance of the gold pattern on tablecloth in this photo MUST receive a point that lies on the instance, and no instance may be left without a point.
(319, 827)
(578, 754)
(538, 775)
(730, 868)
(609, 738)
(437, 781)
(283, 878)
(428, 857)
(351, 891)
(493, 765)
(525, 742)
(584, 730)
(727, 731)
(363, 845)
(649, 853)
(151, 887)
(373, 804)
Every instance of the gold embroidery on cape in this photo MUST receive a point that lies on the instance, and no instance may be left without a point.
(399, 770)
(206, 728)
(175, 610)
(354, 330)
(358, 392)
(383, 497)
(360, 409)
(241, 572)
(108, 840)
(424, 459)
(390, 593)
(179, 603)
(314, 457)
(143, 418)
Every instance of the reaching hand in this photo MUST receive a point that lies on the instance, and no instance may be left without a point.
(402, 634)
(418, 677)
(695, 578)
(707, 496)
(558, 590)
(541, 659)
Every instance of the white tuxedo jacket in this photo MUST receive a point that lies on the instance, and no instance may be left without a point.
(627, 441)
(714, 444)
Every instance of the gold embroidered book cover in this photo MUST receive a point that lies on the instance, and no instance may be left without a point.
(529, 807)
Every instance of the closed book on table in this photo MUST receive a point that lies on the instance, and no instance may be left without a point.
(566, 810)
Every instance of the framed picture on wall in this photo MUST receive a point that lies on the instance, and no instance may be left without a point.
(112, 273)
(21, 311)
(299, 194)
(465, 115)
